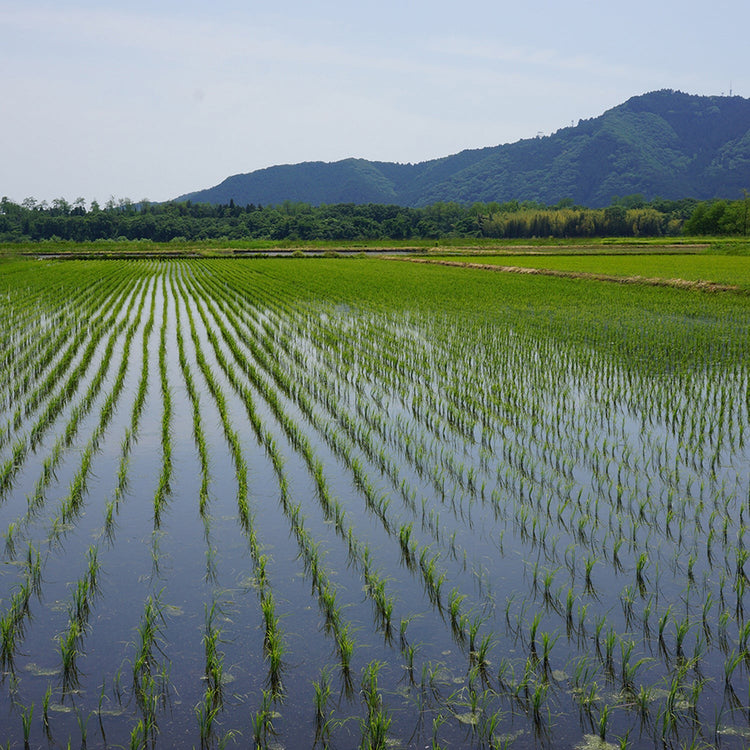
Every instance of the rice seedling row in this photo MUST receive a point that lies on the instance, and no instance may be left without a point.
(57, 401)
(70, 507)
(587, 566)
(590, 563)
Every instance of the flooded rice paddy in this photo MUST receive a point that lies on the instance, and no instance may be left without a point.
(353, 503)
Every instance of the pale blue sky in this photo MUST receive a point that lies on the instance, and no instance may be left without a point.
(151, 100)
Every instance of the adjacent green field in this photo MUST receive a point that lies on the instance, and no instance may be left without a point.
(720, 269)
(366, 503)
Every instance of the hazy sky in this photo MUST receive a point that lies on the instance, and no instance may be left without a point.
(155, 99)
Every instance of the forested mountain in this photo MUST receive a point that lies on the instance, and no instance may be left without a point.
(663, 144)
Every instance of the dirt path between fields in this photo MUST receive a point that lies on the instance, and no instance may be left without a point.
(703, 286)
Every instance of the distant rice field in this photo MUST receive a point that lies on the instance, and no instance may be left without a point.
(720, 269)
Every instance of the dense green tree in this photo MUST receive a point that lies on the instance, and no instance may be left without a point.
(163, 222)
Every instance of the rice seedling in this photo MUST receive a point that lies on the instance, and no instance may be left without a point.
(45, 709)
(548, 642)
(69, 651)
(374, 727)
(322, 695)
(214, 667)
(538, 698)
(263, 721)
(205, 713)
(533, 628)
(83, 725)
(27, 714)
(603, 721)
(681, 630)
(346, 648)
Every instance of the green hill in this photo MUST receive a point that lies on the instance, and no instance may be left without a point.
(663, 144)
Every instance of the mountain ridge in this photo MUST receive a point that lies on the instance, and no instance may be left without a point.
(664, 144)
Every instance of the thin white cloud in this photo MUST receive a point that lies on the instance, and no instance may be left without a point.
(536, 60)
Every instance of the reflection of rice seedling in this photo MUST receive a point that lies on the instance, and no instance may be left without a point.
(589, 563)
(150, 679)
(377, 722)
(214, 669)
(262, 723)
(629, 669)
(83, 725)
(610, 639)
(432, 580)
(547, 643)
(730, 665)
(275, 651)
(643, 700)
(322, 694)
(407, 545)
(455, 600)
(69, 653)
(93, 569)
(45, 708)
(603, 721)
(409, 652)
(346, 648)
(681, 630)
(27, 714)
(206, 712)
(533, 628)
(10, 541)
(538, 698)
(640, 577)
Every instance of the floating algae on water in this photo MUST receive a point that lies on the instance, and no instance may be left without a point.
(592, 742)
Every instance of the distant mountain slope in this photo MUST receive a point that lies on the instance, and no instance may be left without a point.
(663, 144)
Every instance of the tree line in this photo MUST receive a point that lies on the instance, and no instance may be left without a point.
(123, 219)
